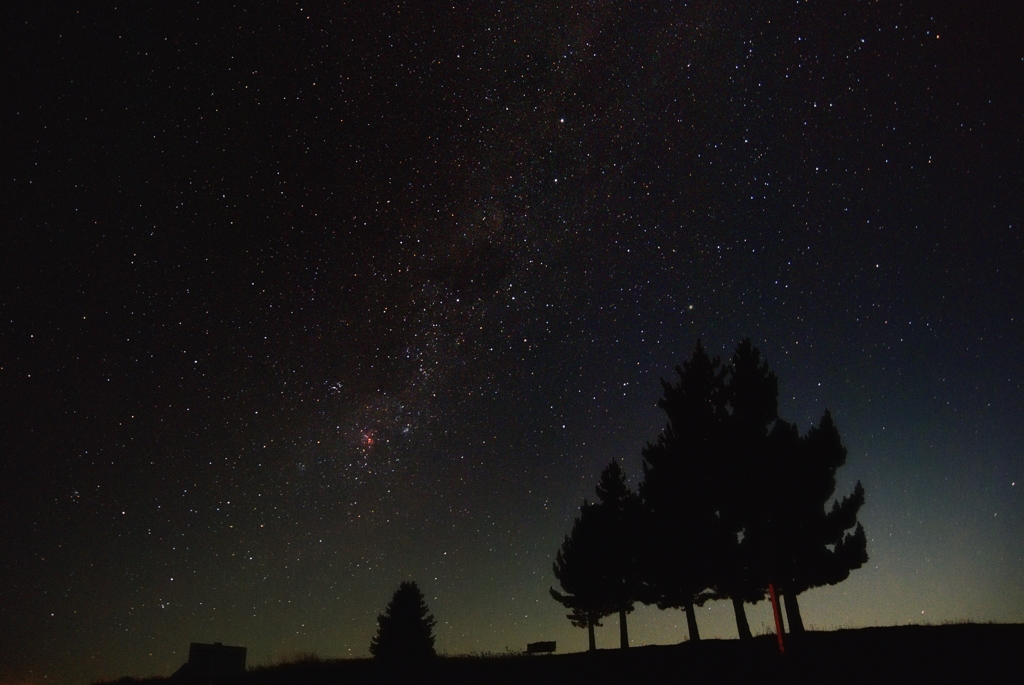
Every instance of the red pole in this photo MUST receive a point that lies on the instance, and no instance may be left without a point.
(778, 618)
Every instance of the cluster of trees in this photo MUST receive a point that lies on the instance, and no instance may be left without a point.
(733, 500)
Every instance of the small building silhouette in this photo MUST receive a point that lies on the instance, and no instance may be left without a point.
(212, 663)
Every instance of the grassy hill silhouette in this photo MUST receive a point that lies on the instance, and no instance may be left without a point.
(954, 653)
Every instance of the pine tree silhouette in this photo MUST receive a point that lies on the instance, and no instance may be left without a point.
(618, 513)
(577, 567)
(801, 543)
(405, 631)
(751, 393)
(597, 565)
(682, 527)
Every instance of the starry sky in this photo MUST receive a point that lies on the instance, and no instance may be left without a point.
(299, 300)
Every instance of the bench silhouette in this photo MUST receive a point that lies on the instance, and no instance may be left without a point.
(540, 647)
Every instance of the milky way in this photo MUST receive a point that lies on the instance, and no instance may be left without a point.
(298, 302)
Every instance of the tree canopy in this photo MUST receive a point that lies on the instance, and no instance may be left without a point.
(750, 408)
(800, 542)
(683, 527)
(577, 568)
(405, 631)
(618, 512)
(597, 565)
(733, 500)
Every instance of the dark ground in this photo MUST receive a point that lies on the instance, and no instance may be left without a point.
(906, 654)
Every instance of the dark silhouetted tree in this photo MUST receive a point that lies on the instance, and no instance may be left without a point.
(577, 568)
(681, 491)
(618, 513)
(801, 543)
(751, 393)
(597, 565)
(405, 631)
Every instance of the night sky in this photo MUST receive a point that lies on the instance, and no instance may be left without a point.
(301, 300)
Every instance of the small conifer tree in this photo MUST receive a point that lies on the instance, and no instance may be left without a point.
(405, 631)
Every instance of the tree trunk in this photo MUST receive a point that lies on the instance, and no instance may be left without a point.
(796, 624)
(691, 622)
(590, 630)
(623, 632)
(780, 629)
(742, 627)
